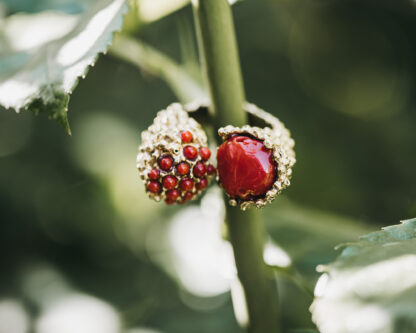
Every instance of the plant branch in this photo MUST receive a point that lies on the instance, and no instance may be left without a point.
(218, 44)
(136, 52)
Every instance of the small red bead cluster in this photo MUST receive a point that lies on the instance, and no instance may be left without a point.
(183, 181)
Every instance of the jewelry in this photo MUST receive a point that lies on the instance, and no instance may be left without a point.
(173, 157)
(254, 163)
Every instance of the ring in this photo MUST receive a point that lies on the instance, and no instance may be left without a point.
(173, 158)
(254, 163)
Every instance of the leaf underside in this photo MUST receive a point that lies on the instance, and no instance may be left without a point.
(371, 287)
(55, 109)
(42, 55)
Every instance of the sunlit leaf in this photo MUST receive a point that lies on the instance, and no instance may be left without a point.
(371, 287)
(43, 55)
(34, 6)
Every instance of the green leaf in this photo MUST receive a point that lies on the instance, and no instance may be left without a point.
(42, 55)
(371, 287)
(33, 6)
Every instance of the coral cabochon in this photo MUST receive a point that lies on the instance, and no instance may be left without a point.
(254, 163)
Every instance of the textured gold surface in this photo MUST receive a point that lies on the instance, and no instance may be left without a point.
(163, 137)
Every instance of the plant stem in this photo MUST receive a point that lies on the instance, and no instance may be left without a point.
(247, 238)
(216, 38)
(218, 44)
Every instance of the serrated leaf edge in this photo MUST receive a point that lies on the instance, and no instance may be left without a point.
(361, 242)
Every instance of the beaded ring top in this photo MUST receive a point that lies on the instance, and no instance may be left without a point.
(276, 138)
(173, 157)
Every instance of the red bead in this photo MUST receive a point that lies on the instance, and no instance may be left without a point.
(199, 170)
(202, 184)
(154, 186)
(186, 136)
(182, 168)
(172, 195)
(166, 163)
(187, 196)
(169, 182)
(245, 167)
(210, 169)
(205, 153)
(187, 184)
(153, 174)
(190, 152)
(169, 202)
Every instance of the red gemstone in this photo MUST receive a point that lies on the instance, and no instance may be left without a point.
(205, 153)
(183, 168)
(200, 169)
(211, 169)
(245, 167)
(190, 152)
(186, 136)
(170, 182)
(187, 184)
(169, 201)
(202, 184)
(166, 163)
(153, 174)
(172, 195)
(154, 186)
(187, 196)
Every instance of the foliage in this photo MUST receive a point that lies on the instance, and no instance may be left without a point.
(371, 287)
(74, 217)
(39, 73)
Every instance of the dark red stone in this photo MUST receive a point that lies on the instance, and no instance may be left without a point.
(245, 167)
(187, 196)
(154, 186)
(172, 195)
(169, 201)
(169, 182)
(166, 163)
(153, 174)
(190, 152)
(205, 153)
(202, 184)
(200, 170)
(182, 168)
(186, 136)
(210, 169)
(187, 184)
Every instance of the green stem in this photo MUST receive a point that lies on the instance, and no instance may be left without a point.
(247, 238)
(218, 44)
(217, 40)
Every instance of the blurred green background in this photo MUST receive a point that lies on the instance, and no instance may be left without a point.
(78, 233)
